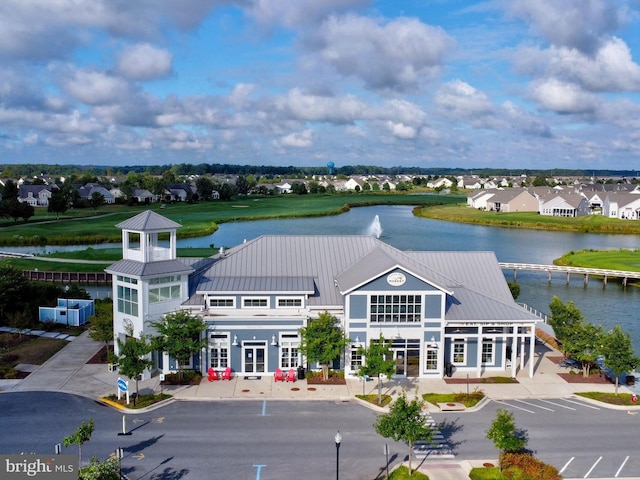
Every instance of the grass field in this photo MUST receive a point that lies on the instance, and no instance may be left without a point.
(622, 259)
(197, 219)
(584, 224)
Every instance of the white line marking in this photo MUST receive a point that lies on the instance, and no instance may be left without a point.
(513, 406)
(581, 404)
(566, 465)
(557, 404)
(536, 406)
(621, 466)
(591, 469)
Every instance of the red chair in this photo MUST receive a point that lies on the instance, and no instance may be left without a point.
(213, 375)
(278, 376)
(291, 375)
(226, 375)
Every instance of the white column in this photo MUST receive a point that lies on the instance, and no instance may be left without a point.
(522, 349)
(514, 351)
(479, 354)
(532, 349)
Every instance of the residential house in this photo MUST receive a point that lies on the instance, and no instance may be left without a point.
(35, 195)
(512, 200)
(564, 205)
(625, 206)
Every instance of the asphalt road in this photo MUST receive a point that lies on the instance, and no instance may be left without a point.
(212, 440)
(579, 438)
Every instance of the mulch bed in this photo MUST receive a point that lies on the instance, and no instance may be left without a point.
(100, 357)
(457, 381)
(329, 381)
(578, 378)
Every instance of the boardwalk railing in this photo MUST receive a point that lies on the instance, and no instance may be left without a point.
(599, 272)
(85, 278)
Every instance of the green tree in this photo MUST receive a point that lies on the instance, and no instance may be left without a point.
(515, 289)
(584, 344)
(378, 361)
(133, 357)
(565, 319)
(405, 422)
(618, 353)
(504, 434)
(96, 201)
(58, 203)
(180, 335)
(14, 290)
(204, 185)
(101, 324)
(322, 341)
(99, 470)
(80, 437)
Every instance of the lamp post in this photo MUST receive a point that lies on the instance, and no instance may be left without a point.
(66, 308)
(338, 439)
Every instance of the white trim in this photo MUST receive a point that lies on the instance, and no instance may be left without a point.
(243, 300)
(221, 298)
(290, 298)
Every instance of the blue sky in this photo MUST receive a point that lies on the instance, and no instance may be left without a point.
(445, 83)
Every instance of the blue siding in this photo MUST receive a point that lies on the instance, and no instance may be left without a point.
(358, 306)
(411, 284)
(433, 306)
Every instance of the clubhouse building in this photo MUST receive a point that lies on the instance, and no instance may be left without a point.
(441, 311)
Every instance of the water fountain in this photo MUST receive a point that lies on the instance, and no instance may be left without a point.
(375, 229)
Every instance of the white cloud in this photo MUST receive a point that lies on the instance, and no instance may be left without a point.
(579, 24)
(144, 62)
(302, 139)
(398, 54)
(562, 97)
(299, 12)
(459, 99)
(400, 130)
(93, 87)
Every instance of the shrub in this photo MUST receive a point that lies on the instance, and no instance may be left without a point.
(524, 466)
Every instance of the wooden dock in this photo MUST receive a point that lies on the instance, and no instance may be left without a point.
(568, 271)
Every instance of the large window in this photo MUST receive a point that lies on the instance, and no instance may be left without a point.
(226, 302)
(289, 353)
(254, 302)
(395, 308)
(289, 302)
(356, 359)
(127, 300)
(218, 350)
(487, 351)
(431, 361)
(458, 351)
(162, 294)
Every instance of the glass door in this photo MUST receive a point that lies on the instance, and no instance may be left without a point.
(254, 357)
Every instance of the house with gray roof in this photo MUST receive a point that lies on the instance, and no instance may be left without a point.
(438, 310)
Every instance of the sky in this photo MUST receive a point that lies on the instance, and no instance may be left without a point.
(536, 84)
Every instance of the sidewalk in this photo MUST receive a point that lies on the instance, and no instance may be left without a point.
(67, 371)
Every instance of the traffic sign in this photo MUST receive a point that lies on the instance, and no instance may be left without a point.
(122, 385)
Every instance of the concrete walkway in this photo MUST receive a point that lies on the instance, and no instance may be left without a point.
(68, 371)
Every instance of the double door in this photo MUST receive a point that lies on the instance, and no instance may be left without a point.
(255, 357)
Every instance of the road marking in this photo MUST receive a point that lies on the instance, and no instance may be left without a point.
(513, 406)
(139, 456)
(621, 466)
(557, 404)
(581, 404)
(566, 465)
(264, 408)
(259, 467)
(591, 469)
(535, 405)
(631, 413)
(158, 420)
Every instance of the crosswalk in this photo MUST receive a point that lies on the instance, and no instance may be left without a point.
(438, 447)
(550, 405)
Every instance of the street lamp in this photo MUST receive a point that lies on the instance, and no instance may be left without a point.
(66, 297)
(338, 439)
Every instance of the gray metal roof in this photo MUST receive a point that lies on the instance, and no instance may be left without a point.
(474, 282)
(148, 221)
(133, 268)
(290, 285)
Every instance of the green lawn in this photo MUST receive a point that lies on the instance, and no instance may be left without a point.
(198, 219)
(584, 224)
(622, 259)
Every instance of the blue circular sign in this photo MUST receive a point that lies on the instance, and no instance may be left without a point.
(122, 385)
